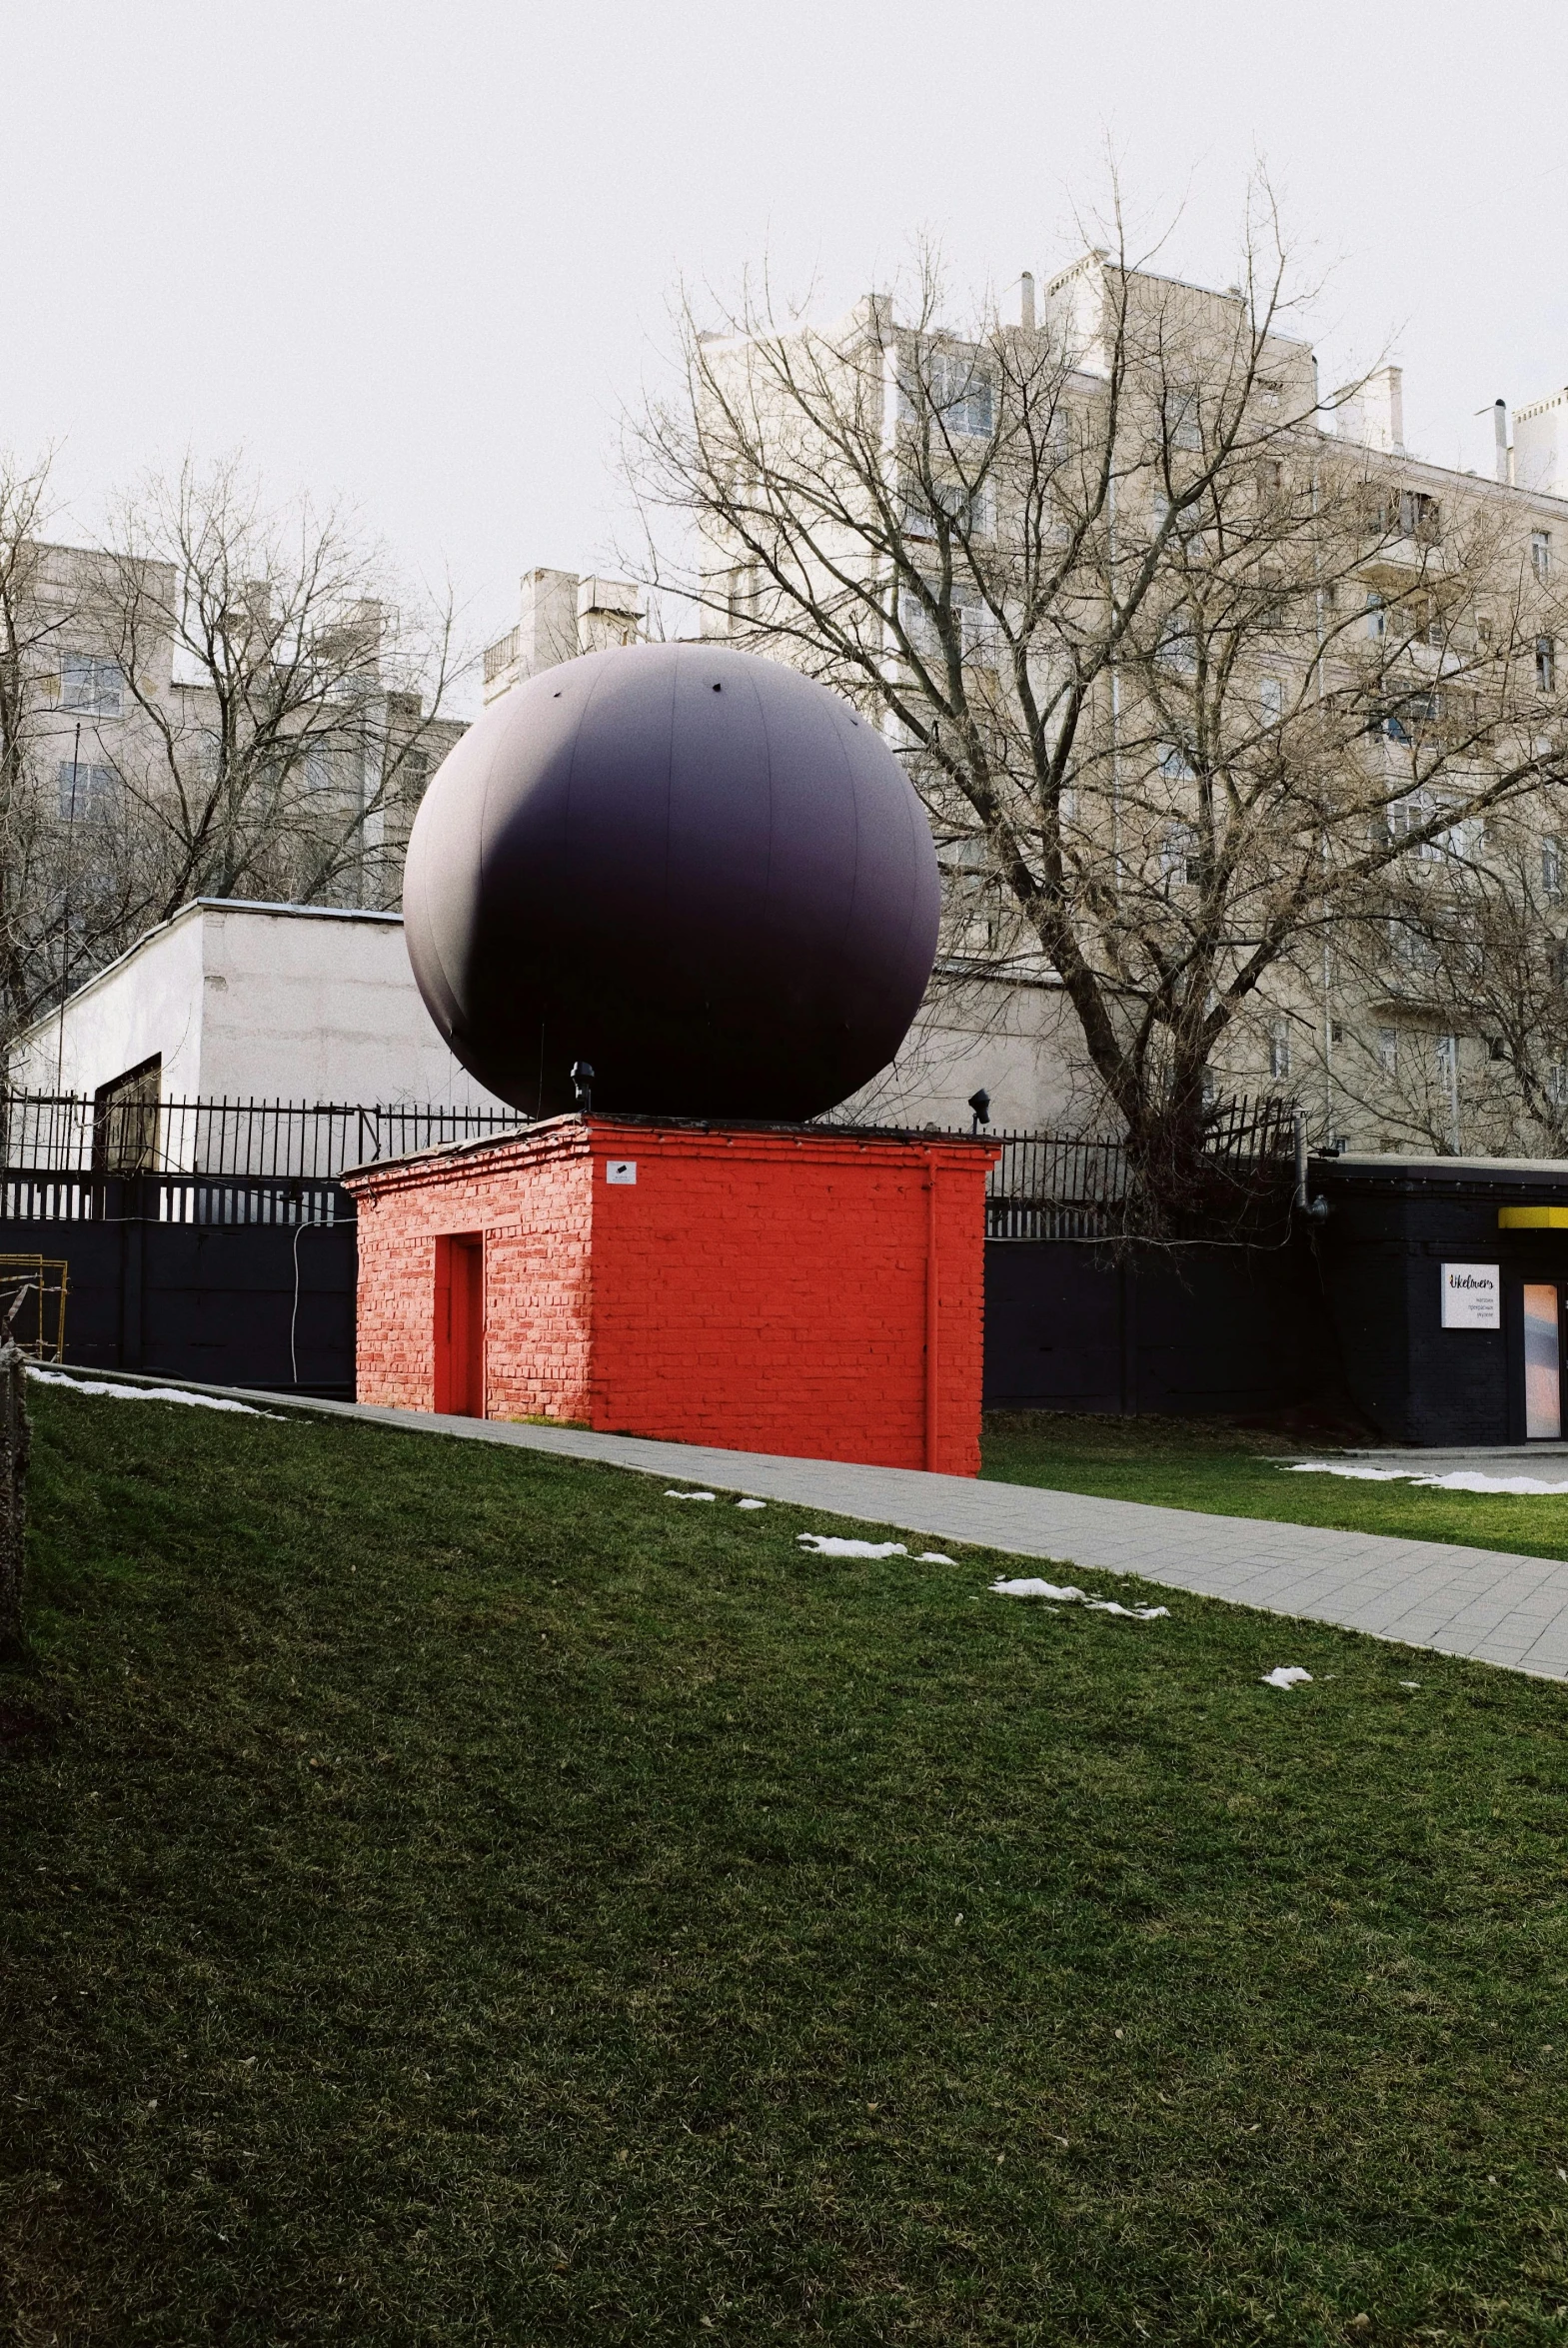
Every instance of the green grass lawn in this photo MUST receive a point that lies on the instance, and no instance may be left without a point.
(453, 1894)
(1195, 1464)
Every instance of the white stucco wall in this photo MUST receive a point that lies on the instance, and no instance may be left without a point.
(149, 1001)
(1018, 1043)
(257, 1002)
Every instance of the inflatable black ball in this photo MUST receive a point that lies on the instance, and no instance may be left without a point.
(697, 871)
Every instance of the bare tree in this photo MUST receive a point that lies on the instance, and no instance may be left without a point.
(289, 701)
(1172, 667)
(45, 923)
(1464, 970)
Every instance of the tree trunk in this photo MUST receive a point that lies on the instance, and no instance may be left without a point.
(14, 1442)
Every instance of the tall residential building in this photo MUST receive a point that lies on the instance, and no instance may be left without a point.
(560, 616)
(1439, 1013)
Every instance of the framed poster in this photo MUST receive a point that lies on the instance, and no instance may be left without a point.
(1472, 1295)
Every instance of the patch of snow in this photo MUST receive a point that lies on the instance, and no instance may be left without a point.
(1410, 1683)
(1458, 1479)
(1470, 1479)
(827, 1544)
(935, 1558)
(1346, 1468)
(691, 1496)
(1287, 1675)
(1030, 1588)
(98, 1385)
(751, 1504)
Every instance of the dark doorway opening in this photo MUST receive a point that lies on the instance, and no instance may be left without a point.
(460, 1324)
(125, 1119)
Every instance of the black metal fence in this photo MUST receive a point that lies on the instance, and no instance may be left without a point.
(206, 1160)
(66, 1159)
(213, 1240)
(1047, 1187)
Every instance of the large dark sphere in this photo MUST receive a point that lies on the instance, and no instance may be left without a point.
(695, 870)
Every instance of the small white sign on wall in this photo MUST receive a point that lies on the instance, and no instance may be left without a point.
(620, 1170)
(1472, 1295)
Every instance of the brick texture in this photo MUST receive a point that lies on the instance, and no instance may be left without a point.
(756, 1291)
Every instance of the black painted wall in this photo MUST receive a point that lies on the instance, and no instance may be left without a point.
(1386, 1241)
(1192, 1332)
(211, 1302)
(1350, 1308)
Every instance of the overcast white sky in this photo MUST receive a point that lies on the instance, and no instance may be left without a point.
(417, 254)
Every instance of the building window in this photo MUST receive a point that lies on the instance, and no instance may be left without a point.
(1271, 699)
(87, 794)
(978, 622)
(1175, 765)
(1557, 1082)
(1376, 617)
(1552, 866)
(1388, 1051)
(1181, 416)
(1418, 515)
(125, 1119)
(1445, 1054)
(745, 590)
(1414, 712)
(1412, 813)
(1556, 963)
(1279, 1048)
(1541, 553)
(955, 389)
(1413, 947)
(968, 511)
(1176, 647)
(90, 686)
(1545, 665)
(1179, 854)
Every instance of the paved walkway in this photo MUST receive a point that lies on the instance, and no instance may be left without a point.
(1484, 1604)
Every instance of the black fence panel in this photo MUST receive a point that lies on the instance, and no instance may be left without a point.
(245, 1304)
(210, 1241)
(1192, 1332)
(71, 1133)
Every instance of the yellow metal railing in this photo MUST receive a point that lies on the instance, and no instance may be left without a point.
(36, 1286)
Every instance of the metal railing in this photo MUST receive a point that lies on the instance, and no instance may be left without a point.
(32, 1303)
(65, 1158)
(43, 1135)
(1046, 1187)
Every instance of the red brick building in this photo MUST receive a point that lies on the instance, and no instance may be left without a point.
(786, 1289)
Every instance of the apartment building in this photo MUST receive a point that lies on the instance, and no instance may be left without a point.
(1391, 683)
(297, 730)
(561, 616)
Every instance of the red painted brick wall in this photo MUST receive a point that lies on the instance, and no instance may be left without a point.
(531, 1200)
(755, 1290)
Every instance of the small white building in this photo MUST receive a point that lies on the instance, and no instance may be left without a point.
(229, 1001)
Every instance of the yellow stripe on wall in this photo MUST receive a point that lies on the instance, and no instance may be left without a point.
(1532, 1218)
